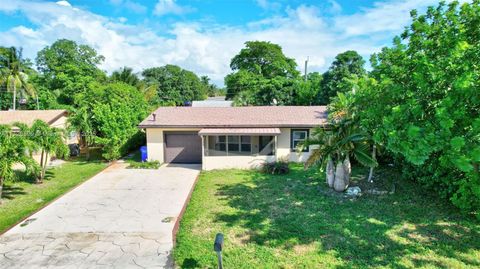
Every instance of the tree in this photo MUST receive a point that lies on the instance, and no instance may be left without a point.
(125, 75)
(13, 75)
(338, 142)
(66, 69)
(264, 59)
(336, 79)
(265, 72)
(425, 104)
(175, 85)
(50, 141)
(13, 148)
(111, 114)
(211, 89)
(306, 92)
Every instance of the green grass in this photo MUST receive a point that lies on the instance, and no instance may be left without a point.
(295, 221)
(22, 197)
(135, 162)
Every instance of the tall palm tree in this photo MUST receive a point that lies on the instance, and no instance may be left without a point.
(126, 75)
(12, 74)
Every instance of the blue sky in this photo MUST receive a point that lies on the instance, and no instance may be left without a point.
(203, 35)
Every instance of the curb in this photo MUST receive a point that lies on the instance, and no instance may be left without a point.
(56, 198)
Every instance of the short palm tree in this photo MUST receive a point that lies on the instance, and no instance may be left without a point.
(49, 141)
(335, 145)
(13, 76)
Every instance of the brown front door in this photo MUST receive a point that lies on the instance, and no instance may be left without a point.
(183, 147)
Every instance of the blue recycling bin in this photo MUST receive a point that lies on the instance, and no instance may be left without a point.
(143, 153)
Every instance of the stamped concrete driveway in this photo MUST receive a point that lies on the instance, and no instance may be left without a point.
(121, 218)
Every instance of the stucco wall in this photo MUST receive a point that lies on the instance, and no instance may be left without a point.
(240, 162)
(284, 150)
(61, 123)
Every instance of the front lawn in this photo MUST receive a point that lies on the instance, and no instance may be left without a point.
(22, 197)
(295, 221)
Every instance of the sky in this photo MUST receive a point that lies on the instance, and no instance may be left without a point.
(203, 35)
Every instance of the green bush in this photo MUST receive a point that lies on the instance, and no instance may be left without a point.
(279, 167)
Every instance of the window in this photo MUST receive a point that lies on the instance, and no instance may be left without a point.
(228, 145)
(266, 145)
(298, 136)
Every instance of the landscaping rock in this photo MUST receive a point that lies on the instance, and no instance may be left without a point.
(353, 191)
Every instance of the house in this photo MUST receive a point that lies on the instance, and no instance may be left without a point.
(230, 137)
(54, 118)
(217, 101)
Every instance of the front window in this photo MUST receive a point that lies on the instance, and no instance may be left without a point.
(235, 145)
(298, 136)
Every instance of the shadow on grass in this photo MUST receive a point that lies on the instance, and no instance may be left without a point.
(11, 192)
(295, 209)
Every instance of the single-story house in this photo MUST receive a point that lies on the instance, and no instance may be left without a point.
(230, 137)
(55, 118)
(218, 101)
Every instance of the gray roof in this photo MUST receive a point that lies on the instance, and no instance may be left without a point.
(239, 117)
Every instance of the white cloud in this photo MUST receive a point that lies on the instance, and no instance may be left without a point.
(64, 3)
(164, 7)
(207, 48)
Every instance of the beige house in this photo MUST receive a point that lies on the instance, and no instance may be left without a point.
(230, 137)
(55, 118)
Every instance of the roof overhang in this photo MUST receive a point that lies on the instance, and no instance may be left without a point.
(240, 131)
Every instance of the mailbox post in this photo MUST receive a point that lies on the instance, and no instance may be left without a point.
(217, 247)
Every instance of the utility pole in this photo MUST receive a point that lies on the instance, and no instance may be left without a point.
(306, 66)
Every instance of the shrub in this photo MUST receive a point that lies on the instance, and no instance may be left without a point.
(279, 167)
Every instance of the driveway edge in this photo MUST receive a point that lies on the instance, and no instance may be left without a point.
(184, 208)
(55, 199)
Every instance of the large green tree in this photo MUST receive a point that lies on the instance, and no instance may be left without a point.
(175, 85)
(66, 69)
(337, 79)
(424, 104)
(262, 75)
(14, 72)
(126, 75)
(110, 114)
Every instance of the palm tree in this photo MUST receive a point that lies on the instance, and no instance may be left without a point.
(126, 75)
(336, 144)
(50, 141)
(13, 148)
(12, 74)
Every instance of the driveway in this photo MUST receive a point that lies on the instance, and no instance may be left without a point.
(121, 218)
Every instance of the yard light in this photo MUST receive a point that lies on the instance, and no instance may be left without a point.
(217, 247)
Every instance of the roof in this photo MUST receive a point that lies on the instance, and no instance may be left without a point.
(253, 116)
(212, 103)
(240, 131)
(29, 116)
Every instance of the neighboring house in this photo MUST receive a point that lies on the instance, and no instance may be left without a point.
(218, 101)
(230, 137)
(54, 118)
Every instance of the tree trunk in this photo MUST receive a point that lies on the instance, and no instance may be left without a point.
(44, 166)
(348, 171)
(1, 189)
(340, 184)
(370, 174)
(330, 173)
(14, 96)
(39, 178)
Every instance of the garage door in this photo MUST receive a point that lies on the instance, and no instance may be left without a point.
(185, 147)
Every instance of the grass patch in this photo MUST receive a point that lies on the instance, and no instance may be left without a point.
(135, 162)
(295, 221)
(22, 197)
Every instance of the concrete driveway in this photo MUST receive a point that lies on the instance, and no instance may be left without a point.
(121, 218)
